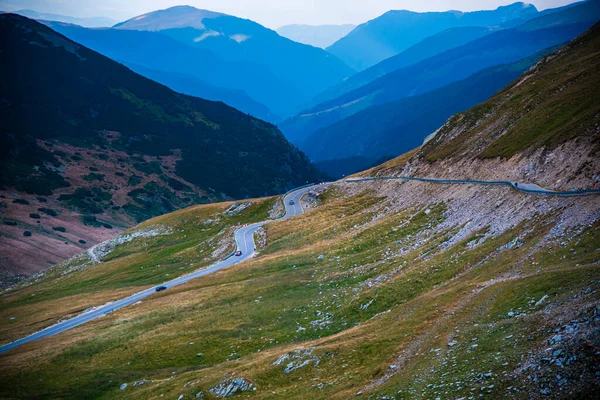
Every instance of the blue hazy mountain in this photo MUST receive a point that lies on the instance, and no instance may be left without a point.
(501, 47)
(303, 70)
(196, 87)
(315, 35)
(428, 47)
(386, 130)
(397, 30)
(156, 51)
(90, 22)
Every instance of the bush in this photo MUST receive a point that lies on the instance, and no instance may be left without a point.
(10, 223)
(119, 174)
(90, 220)
(35, 216)
(82, 241)
(107, 226)
(42, 199)
(59, 228)
(93, 177)
(20, 201)
(26, 233)
(48, 211)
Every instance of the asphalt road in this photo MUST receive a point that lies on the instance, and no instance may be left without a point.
(530, 188)
(244, 240)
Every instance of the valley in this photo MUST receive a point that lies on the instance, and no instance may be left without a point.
(439, 239)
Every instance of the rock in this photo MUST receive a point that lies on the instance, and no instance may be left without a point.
(452, 344)
(199, 395)
(199, 355)
(180, 397)
(510, 314)
(540, 301)
(321, 257)
(229, 387)
(297, 359)
(123, 386)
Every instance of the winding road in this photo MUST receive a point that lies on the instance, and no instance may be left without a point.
(530, 188)
(244, 242)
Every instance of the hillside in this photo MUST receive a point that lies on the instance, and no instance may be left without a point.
(502, 47)
(87, 146)
(384, 289)
(426, 48)
(397, 30)
(161, 54)
(315, 35)
(305, 70)
(398, 127)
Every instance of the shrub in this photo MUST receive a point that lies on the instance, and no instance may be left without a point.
(48, 211)
(59, 228)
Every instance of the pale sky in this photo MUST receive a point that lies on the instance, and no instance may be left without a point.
(271, 13)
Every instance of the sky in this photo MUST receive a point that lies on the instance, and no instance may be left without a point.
(271, 13)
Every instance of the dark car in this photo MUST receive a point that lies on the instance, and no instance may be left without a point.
(238, 253)
(292, 202)
(161, 288)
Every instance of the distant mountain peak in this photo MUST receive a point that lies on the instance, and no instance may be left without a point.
(173, 17)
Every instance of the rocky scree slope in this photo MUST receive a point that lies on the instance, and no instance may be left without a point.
(87, 145)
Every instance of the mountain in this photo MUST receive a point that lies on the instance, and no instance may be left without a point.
(315, 35)
(90, 22)
(504, 46)
(306, 70)
(384, 289)
(155, 51)
(395, 31)
(86, 139)
(398, 127)
(196, 87)
(428, 47)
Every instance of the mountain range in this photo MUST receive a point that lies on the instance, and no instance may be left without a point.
(315, 35)
(89, 22)
(91, 143)
(479, 284)
(397, 30)
(498, 47)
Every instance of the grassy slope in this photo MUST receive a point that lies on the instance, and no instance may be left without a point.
(552, 103)
(242, 319)
(197, 233)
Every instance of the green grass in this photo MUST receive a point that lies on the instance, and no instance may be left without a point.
(242, 319)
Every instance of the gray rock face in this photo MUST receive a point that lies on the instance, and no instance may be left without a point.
(297, 359)
(230, 387)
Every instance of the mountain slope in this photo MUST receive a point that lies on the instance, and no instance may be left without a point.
(306, 69)
(397, 127)
(315, 35)
(91, 138)
(501, 47)
(396, 31)
(158, 52)
(384, 289)
(196, 87)
(428, 47)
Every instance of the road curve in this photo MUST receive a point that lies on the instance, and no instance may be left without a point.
(244, 241)
(530, 188)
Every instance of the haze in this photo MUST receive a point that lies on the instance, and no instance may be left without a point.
(271, 13)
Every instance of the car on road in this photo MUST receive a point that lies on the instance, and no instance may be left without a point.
(161, 288)
(292, 202)
(238, 253)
